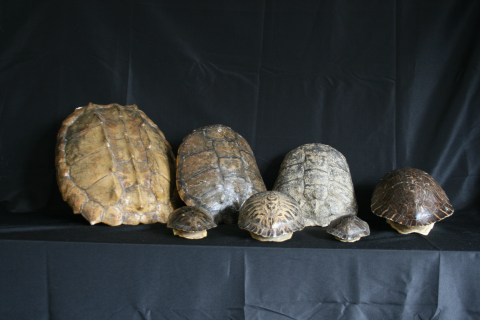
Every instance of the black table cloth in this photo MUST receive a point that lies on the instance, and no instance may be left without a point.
(57, 266)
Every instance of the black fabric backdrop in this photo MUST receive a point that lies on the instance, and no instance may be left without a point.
(387, 83)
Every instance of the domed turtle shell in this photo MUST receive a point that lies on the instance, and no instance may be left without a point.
(410, 197)
(216, 170)
(115, 166)
(271, 216)
(318, 177)
(348, 228)
(190, 222)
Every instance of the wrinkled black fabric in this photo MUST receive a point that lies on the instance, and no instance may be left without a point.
(387, 83)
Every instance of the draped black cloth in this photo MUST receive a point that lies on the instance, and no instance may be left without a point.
(387, 83)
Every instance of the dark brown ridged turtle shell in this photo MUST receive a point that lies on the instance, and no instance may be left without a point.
(410, 197)
(270, 214)
(348, 228)
(318, 177)
(115, 166)
(216, 170)
(190, 219)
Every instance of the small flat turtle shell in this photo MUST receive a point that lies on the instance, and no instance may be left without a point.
(410, 197)
(216, 170)
(318, 177)
(115, 166)
(271, 214)
(348, 228)
(190, 219)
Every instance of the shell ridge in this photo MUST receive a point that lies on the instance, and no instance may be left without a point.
(82, 132)
(218, 159)
(199, 173)
(195, 153)
(139, 191)
(283, 183)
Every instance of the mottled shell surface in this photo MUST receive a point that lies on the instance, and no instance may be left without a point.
(348, 228)
(216, 170)
(115, 166)
(318, 177)
(270, 214)
(190, 219)
(410, 197)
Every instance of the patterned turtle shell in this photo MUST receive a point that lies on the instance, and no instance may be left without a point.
(318, 177)
(190, 219)
(410, 197)
(216, 170)
(115, 166)
(270, 214)
(348, 228)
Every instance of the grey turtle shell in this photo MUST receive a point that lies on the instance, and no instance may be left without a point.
(317, 176)
(348, 228)
(190, 219)
(270, 214)
(216, 170)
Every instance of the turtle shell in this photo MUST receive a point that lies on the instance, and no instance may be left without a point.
(190, 219)
(318, 178)
(270, 214)
(216, 170)
(115, 166)
(410, 197)
(348, 228)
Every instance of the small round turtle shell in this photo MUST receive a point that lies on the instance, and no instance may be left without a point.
(410, 197)
(190, 219)
(270, 214)
(348, 228)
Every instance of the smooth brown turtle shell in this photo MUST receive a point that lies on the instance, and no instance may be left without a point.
(115, 166)
(317, 176)
(270, 214)
(410, 197)
(348, 228)
(190, 219)
(216, 170)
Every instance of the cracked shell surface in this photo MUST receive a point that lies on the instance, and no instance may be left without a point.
(349, 228)
(190, 219)
(317, 176)
(410, 197)
(216, 170)
(270, 214)
(115, 166)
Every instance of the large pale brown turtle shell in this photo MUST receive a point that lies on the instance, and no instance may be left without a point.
(115, 166)
(270, 214)
(216, 170)
(410, 197)
(317, 176)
